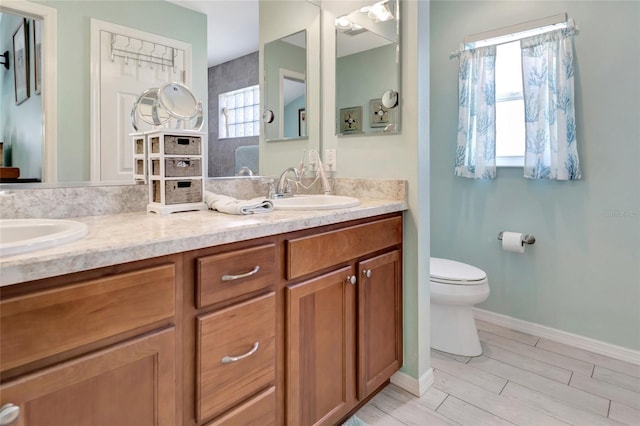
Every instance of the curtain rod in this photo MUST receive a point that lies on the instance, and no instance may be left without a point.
(517, 28)
(514, 32)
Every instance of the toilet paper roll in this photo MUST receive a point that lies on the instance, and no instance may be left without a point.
(512, 241)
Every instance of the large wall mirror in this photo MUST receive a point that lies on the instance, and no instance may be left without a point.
(290, 77)
(285, 88)
(368, 69)
(72, 50)
(67, 56)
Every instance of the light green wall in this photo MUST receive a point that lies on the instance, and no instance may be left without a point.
(395, 156)
(278, 55)
(154, 16)
(276, 22)
(364, 76)
(582, 274)
(20, 125)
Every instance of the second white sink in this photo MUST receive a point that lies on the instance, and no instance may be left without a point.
(315, 202)
(25, 235)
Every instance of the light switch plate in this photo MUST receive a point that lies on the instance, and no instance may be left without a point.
(330, 160)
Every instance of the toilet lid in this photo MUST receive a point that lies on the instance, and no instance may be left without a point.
(450, 271)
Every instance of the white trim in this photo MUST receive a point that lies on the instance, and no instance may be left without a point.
(586, 343)
(49, 77)
(412, 385)
(94, 70)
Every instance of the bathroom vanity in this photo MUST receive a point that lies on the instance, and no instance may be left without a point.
(285, 318)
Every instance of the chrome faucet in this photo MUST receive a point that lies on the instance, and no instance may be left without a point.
(283, 188)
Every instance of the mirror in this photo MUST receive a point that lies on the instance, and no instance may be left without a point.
(72, 110)
(368, 69)
(285, 88)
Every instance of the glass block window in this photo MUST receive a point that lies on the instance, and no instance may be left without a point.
(239, 113)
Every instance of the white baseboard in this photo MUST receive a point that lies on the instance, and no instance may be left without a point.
(412, 385)
(586, 343)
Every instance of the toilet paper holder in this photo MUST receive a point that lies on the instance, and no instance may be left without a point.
(526, 238)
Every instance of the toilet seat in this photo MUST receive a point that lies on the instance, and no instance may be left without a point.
(446, 271)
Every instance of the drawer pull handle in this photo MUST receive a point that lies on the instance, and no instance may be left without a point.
(245, 275)
(227, 359)
(367, 273)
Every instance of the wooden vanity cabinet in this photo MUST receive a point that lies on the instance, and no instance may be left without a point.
(230, 325)
(298, 329)
(343, 322)
(95, 348)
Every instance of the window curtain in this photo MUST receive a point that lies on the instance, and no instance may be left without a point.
(476, 142)
(550, 124)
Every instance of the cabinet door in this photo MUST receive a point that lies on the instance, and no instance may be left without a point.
(130, 384)
(379, 321)
(320, 349)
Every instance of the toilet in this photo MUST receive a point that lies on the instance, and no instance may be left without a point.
(455, 288)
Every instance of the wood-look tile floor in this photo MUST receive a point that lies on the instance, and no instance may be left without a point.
(519, 379)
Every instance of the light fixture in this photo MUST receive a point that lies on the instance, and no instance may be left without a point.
(379, 12)
(5, 59)
(343, 23)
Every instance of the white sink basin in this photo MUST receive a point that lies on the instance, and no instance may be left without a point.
(315, 202)
(25, 235)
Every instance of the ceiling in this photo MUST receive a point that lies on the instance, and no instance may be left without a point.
(232, 27)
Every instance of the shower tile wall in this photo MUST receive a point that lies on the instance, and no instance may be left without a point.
(235, 74)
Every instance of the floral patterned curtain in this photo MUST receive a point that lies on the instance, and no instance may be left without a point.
(550, 124)
(476, 147)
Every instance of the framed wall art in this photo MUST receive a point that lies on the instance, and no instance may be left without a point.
(302, 122)
(21, 62)
(350, 119)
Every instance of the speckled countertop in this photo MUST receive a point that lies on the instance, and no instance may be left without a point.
(120, 238)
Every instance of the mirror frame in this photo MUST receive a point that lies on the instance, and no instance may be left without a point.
(49, 92)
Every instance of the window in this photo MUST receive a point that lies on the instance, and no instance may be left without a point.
(239, 113)
(510, 136)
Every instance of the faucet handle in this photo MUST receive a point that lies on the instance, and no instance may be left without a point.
(271, 192)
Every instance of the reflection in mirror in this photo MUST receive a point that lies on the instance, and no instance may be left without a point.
(21, 132)
(285, 69)
(367, 67)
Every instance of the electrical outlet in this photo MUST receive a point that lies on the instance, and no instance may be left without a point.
(330, 160)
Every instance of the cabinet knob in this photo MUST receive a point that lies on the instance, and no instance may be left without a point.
(351, 279)
(9, 413)
(367, 273)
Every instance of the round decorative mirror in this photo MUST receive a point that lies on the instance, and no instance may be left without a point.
(178, 101)
(390, 99)
(157, 106)
(142, 110)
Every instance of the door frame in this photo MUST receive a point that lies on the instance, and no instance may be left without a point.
(49, 93)
(98, 25)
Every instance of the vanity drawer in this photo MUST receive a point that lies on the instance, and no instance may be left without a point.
(224, 276)
(315, 252)
(258, 411)
(176, 145)
(49, 322)
(235, 355)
